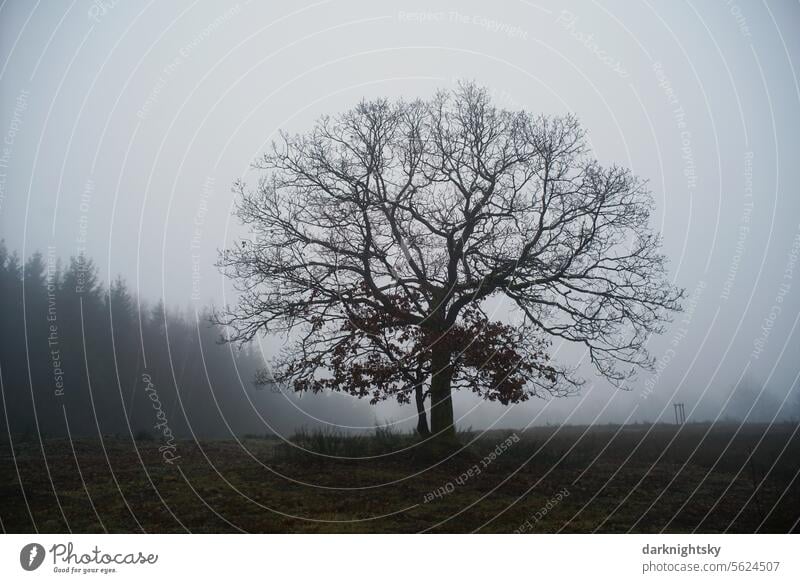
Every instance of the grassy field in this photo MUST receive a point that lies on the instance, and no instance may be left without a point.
(637, 478)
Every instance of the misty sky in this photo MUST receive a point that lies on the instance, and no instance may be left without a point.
(125, 123)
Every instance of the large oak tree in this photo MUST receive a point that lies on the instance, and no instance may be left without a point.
(379, 238)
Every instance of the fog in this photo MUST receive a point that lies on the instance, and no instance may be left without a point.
(125, 125)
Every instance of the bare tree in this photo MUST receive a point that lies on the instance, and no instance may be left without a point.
(377, 238)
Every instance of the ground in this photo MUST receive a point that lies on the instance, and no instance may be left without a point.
(639, 478)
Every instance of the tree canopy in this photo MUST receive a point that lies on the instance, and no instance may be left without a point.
(377, 238)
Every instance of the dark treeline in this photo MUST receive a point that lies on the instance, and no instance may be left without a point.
(83, 356)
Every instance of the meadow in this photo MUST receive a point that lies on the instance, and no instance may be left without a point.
(698, 477)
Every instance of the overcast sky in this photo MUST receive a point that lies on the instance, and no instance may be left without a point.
(125, 123)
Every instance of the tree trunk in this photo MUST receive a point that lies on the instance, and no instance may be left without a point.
(422, 423)
(441, 400)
